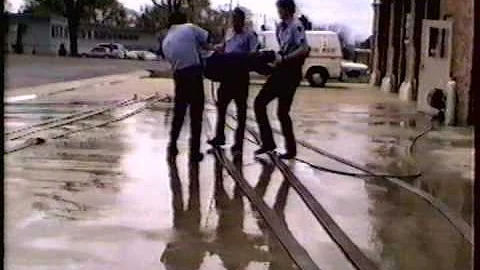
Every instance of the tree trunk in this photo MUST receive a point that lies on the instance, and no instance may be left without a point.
(21, 29)
(73, 36)
(72, 12)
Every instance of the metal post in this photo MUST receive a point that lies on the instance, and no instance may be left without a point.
(388, 80)
(406, 89)
(374, 79)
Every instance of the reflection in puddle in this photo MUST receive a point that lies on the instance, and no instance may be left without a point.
(120, 171)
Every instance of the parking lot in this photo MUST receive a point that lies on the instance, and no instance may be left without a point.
(99, 193)
(32, 70)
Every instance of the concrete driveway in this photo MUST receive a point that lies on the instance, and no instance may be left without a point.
(105, 197)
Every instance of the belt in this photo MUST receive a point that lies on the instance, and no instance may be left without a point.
(191, 70)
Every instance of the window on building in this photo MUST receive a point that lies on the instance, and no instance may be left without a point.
(58, 31)
(438, 42)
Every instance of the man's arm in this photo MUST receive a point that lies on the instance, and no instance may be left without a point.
(301, 52)
(300, 40)
(203, 38)
(253, 42)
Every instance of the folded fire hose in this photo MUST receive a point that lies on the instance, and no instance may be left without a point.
(220, 66)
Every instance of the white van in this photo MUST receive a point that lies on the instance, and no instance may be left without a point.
(325, 60)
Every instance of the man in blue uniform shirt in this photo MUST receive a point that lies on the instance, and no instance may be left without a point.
(284, 80)
(235, 86)
(182, 49)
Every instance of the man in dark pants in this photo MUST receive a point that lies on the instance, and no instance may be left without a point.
(235, 86)
(181, 48)
(284, 80)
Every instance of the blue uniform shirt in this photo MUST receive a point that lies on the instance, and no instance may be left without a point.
(241, 42)
(182, 45)
(291, 35)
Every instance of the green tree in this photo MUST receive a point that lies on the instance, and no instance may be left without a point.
(77, 12)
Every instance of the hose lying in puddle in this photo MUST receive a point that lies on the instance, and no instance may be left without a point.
(279, 228)
(123, 117)
(79, 116)
(37, 141)
(318, 167)
(348, 247)
(453, 217)
(70, 116)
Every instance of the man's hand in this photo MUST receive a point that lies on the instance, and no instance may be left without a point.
(219, 48)
(278, 60)
(277, 63)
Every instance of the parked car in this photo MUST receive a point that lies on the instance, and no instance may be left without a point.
(132, 55)
(324, 61)
(354, 70)
(117, 50)
(142, 55)
(148, 56)
(98, 52)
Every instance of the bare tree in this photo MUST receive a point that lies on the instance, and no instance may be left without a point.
(169, 5)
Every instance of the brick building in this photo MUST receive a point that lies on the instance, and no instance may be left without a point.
(421, 45)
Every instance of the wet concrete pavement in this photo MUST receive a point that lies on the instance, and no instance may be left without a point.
(107, 198)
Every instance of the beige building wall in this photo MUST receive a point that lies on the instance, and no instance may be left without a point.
(461, 12)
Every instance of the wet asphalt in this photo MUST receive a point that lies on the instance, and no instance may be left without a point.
(107, 197)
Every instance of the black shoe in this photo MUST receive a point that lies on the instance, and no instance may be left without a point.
(172, 151)
(216, 142)
(288, 155)
(264, 150)
(197, 157)
(237, 148)
(262, 161)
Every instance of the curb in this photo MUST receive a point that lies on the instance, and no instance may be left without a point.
(28, 93)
